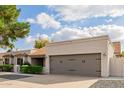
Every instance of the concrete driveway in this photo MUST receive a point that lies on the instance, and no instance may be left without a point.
(12, 80)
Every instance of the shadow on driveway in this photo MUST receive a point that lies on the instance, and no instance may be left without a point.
(7, 77)
(13, 76)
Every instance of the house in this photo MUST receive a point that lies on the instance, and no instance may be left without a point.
(34, 57)
(87, 56)
(1, 58)
(37, 57)
(15, 57)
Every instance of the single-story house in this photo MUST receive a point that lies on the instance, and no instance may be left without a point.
(33, 56)
(1, 58)
(87, 56)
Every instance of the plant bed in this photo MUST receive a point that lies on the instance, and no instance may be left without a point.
(6, 67)
(31, 69)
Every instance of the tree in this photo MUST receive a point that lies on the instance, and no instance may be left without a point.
(122, 54)
(10, 50)
(10, 28)
(41, 43)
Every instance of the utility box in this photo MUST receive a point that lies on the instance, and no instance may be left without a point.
(16, 68)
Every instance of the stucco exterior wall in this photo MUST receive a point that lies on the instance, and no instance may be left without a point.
(92, 46)
(110, 55)
(117, 66)
(15, 60)
(82, 46)
(29, 59)
(1, 62)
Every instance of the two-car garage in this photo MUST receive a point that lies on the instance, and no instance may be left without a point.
(87, 57)
(77, 64)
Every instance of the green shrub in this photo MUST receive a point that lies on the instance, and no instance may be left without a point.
(31, 69)
(7, 67)
(36, 69)
(24, 68)
(27, 63)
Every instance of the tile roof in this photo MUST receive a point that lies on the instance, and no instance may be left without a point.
(33, 52)
(1, 55)
(16, 53)
(38, 52)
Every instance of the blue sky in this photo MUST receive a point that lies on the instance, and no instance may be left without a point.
(60, 23)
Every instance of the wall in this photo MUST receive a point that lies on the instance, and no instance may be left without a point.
(97, 45)
(110, 54)
(37, 61)
(117, 66)
(1, 61)
(29, 59)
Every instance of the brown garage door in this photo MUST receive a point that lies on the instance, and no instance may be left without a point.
(84, 64)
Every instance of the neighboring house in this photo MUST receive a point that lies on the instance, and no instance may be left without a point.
(37, 56)
(88, 57)
(34, 57)
(16, 57)
(1, 58)
(117, 48)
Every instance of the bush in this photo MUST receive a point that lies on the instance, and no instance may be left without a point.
(7, 67)
(27, 63)
(31, 69)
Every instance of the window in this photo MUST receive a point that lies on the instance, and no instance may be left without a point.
(19, 61)
(6, 60)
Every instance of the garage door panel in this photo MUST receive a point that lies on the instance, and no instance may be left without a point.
(85, 64)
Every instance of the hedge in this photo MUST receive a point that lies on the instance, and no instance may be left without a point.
(6, 67)
(31, 69)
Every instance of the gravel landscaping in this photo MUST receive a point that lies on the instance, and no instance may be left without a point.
(108, 84)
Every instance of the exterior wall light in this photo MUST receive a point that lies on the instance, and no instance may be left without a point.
(104, 54)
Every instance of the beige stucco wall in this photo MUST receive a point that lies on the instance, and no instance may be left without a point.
(117, 66)
(1, 61)
(110, 55)
(82, 46)
(15, 60)
(29, 59)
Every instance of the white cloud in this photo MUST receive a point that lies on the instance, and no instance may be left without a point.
(74, 13)
(108, 20)
(115, 32)
(42, 36)
(30, 39)
(30, 20)
(69, 33)
(45, 20)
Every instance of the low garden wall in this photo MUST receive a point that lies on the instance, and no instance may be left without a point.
(117, 66)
